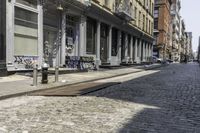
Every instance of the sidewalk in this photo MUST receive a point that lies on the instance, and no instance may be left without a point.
(17, 85)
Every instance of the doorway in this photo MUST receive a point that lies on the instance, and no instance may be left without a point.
(122, 46)
(50, 46)
(104, 43)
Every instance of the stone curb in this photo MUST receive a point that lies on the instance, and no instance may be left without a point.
(52, 87)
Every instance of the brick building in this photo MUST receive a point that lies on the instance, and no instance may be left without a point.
(162, 29)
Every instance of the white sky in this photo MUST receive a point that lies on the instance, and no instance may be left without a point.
(190, 11)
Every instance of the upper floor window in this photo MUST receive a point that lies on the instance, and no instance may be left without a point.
(135, 13)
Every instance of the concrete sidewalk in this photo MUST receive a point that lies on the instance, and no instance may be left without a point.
(17, 85)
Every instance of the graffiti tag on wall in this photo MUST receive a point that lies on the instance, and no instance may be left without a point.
(27, 61)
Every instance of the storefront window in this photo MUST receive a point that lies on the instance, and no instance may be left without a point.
(26, 32)
(91, 32)
(114, 42)
(30, 3)
(70, 30)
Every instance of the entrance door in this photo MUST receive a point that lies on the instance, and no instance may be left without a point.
(104, 43)
(50, 46)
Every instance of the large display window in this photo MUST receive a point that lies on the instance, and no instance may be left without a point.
(26, 29)
(91, 36)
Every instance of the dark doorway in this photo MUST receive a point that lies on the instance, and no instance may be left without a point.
(104, 43)
(123, 46)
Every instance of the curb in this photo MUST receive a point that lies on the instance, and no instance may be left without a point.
(52, 87)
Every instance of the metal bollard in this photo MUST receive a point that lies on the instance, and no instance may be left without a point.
(35, 75)
(56, 74)
(44, 74)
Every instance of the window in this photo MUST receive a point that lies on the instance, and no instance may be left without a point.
(25, 18)
(91, 32)
(149, 27)
(26, 32)
(114, 41)
(156, 13)
(143, 24)
(30, 3)
(147, 24)
(70, 30)
(152, 8)
(135, 13)
(139, 20)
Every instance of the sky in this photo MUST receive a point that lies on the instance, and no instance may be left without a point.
(190, 11)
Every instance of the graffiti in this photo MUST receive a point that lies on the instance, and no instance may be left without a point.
(18, 59)
(81, 63)
(27, 61)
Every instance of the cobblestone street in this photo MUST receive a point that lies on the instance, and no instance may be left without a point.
(166, 100)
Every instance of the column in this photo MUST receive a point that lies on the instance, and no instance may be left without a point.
(131, 49)
(144, 52)
(140, 51)
(151, 50)
(40, 34)
(82, 37)
(109, 44)
(63, 41)
(135, 48)
(98, 60)
(119, 45)
(148, 52)
(126, 49)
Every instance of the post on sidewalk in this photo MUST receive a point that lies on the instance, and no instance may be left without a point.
(56, 74)
(35, 74)
(45, 73)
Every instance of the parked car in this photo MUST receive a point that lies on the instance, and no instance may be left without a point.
(156, 59)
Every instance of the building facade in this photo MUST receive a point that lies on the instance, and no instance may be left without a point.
(64, 33)
(162, 29)
(176, 23)
(183, 42)
(190, 39)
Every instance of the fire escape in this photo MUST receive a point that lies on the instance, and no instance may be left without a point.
(123, 9)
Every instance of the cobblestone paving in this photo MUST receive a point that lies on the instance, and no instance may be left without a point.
(164, 102)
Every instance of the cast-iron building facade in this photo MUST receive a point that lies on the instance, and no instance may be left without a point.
(57, 32)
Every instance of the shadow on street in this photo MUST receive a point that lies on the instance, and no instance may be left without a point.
(174, 91)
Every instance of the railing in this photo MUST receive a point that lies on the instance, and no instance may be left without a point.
(124, 9)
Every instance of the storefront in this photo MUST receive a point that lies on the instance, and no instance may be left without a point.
(64, 34)
(24, 39)
(2, 34)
